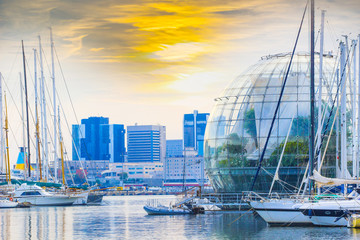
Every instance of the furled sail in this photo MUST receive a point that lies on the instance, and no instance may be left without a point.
(321, 180)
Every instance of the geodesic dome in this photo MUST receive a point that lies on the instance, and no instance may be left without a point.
(240, 121)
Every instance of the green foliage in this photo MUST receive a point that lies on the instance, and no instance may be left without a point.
(296, 153)
(234, 152)
(250, 125)
(300, 127)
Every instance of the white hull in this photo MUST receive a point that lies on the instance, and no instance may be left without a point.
(281, 212)
(329, 221)
(48, 200)
(330, 212)
(7, 204)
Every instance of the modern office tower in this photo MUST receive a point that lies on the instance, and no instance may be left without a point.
(194, 131)
(96, 139)
(174, 148)
(117, 143)
(146, 143)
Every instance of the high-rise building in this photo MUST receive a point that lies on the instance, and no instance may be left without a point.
(146, 143)
(194, 131)
(117, 143)
(96, 139)
(174, 148)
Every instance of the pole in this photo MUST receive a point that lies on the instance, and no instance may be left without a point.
(312, 95)
(343, 111)
(43, 116)
(358, 127)
(23, 127)
(36, 120)
(2, 160)
(54, 97)
(320, 87)
(38, 156)
(27, 111)
(338, 174)
(7, 142)
(353, 110)
(61, 151)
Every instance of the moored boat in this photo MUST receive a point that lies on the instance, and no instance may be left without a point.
(331, 213)
(39, 197)
(284, 212)
(163, 210)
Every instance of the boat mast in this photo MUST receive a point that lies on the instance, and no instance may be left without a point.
(312, 95)
(61, 150)
(343, 111)
(7, 143)
(23, 126)
(338, 173)
(43, 116)
(354, 143)
(320, 88)
(358, 135)
(27, 111)
(54, 95)
(2, 160)
(38, 157)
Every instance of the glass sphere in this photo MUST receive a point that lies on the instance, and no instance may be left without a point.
(239, 124)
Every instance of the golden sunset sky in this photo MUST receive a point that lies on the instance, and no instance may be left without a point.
(149, 62)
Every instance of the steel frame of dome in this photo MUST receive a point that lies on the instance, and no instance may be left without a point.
(239, 123)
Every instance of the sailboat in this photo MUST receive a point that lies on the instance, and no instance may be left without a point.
(335, 212)
(286, 211)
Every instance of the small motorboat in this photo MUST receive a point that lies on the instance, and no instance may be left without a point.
(153, 207)
(163, 210)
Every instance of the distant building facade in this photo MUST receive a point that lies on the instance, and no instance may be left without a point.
(96, 139)
(134, 170)
(174, 148)
(82, 170)
(194, 131)
(187, 169)
(146, 143)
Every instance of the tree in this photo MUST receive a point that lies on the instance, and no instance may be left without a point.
(250, 125)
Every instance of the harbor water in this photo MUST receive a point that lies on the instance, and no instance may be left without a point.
(123, 217)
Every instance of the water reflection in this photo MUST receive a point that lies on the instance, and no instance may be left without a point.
(124, 218)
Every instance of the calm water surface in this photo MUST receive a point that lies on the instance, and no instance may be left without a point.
(123, 217)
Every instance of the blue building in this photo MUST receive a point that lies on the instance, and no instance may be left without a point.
(146, 143)
(117, 143)
(194, 131)
(174, 148)
(96, 139)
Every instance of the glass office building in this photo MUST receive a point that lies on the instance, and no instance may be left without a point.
(238, 126)
(194, 130)
(96, 139)
(146, 143)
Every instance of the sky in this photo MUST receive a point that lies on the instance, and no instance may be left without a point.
(150, 62)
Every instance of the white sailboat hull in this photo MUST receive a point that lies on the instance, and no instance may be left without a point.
(328, 221)
(330, 213)
(48, 200)
(281, 212)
